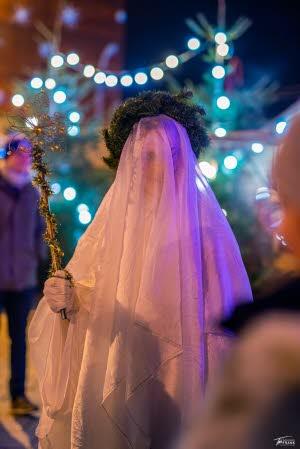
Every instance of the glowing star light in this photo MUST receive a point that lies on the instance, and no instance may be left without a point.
(69, 16)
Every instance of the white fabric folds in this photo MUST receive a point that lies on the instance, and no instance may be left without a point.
(154, 272)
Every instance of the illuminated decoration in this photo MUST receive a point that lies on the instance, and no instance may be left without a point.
(99, 78)
(218, 72)
(126, 80)
(82, 207)
(17, 100)
(111, 80)
(257, 147)
(73, 131)
(172, 61)
(50, 83)
(220, 132)
(89, 71)
(31, 122)
(59, 97)
(36, 83)
(57, 61)
(223, 50)
(230, 162)
(70, 193)
(140, 78)
(156, 73)
(220, 38)
(56, 188)
(121, 16)
(223, 102)
(280, 127)
(69, 16)
(73, 59)
(193, 43)
(74, 117)
(45, 49)
(21, 15)
(209, 170)
(85, 217)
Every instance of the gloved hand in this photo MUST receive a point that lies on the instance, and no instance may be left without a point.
(60, 294)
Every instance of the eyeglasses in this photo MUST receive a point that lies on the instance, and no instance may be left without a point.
(270, 211)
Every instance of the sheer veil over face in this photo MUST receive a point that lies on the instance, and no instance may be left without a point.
(155, 271)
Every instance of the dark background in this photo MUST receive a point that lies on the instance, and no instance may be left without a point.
(270, 47)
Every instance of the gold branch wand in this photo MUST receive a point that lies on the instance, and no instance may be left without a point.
(47, 134)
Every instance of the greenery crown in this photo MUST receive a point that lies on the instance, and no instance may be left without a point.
(151, 103)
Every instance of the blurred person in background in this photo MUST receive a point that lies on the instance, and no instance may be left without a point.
(256, 402)
(21, 249)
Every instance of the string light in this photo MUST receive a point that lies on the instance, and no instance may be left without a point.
(172, 61)
(59, 97)
(36, 83)
(280, 127)
(70, 193)
(193, 43)
(218, 72)
(126, 80)
(74, 117)
(82, 207)
(111, 80)
(209, 170)
(17, 100)
(89, 71)
(141, 78)
(73, 58)
(56, 188)
(156, 73)
(220, 132)
(85, 217)
(50, 83)
(220, 38)
(99, 78)
(257, 147)
(230, 162)
(73, 131)
(223, 49)
(223, 102)
(57, 61)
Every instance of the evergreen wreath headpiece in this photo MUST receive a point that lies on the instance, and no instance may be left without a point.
(151, 103)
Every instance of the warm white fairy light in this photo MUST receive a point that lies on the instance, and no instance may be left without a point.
(220, 38)
(172, 61)
(141, 78)
(99, 78)
(57, 61)
(193, 43)
(74, 117)
(111, 80)
(89, 71)
(156, 73)
(50, 83)
(126, 80)
(230, 162)
(59, 96)
(280, 127)
(220, 132)
(222, 50)
(223, 102)
(73, 58)
(218, 72)
(257, 147)
(17, 100)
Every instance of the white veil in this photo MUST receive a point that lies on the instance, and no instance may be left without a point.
(155, 271)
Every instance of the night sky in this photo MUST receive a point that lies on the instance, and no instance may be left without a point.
(270, 47)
